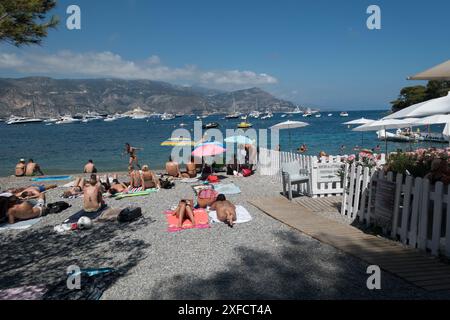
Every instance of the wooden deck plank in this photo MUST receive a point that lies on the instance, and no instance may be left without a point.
(411, 265)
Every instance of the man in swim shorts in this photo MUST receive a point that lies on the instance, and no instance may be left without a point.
(25, 210)
(32, 169)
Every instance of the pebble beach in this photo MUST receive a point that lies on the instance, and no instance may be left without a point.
(261, 259)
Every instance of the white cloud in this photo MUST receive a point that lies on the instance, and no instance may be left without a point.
(108, 64)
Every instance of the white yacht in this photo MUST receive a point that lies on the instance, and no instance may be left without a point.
(318, 115)
(22, 120)
(167, 116)
(111, 118)
(268, 115)
(255, 114)
(296, 111)
(343, 114)
(67, 120)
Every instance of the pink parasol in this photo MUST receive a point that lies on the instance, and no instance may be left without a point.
(208, 150)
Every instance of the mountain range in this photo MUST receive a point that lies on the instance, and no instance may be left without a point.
(45, 97)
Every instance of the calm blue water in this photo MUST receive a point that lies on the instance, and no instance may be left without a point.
(66, 148)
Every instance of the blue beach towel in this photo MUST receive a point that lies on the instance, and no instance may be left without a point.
(91, 215)
(54, 178)
(227, 189)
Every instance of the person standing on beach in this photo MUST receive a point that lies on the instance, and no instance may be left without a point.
(90, 167)
(33, 169)
(131, 151)
(93, 198)
(20, 168)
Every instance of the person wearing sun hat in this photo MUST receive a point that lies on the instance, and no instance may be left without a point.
(20, 168)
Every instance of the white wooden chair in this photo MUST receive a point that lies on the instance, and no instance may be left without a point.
(293, 174)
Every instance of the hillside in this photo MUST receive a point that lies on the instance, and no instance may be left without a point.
(53, 97)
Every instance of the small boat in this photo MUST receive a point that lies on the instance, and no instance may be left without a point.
(318, 115)
(284, 115)
(179, 115)
(307, 114)
(330, 114)
(211, 125)
(244, 117)
(343, 114)
(244, 125)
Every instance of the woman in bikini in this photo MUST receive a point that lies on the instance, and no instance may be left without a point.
(185, 207)
(131, 151)
(149, 179)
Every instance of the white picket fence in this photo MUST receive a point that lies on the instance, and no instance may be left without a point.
(324, 181)
(420, 214)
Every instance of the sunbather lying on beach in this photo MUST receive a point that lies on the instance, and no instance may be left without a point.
(35, 187)
(34, 191)
(116, 186)
(93, 196)
(25, 210)
(185, 207)
(76, 190)
(226, 211)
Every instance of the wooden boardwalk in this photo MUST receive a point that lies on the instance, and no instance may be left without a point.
(411, 265)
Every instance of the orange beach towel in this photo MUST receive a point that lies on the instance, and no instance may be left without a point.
(201, 219)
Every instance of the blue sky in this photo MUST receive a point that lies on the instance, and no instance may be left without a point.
(310, 52)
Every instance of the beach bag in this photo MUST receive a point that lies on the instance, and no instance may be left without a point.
(166, 184)
(206, 198)
(246, 172)
(129, 214)
(57, 207)
(213, 179)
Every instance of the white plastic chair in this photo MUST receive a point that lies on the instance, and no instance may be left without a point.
(293, 174)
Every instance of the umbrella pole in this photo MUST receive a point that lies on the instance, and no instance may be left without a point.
(386, 143)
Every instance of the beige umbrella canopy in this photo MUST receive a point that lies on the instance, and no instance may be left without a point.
(440, 72)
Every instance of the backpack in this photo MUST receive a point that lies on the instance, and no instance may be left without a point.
(57, 207)
(129, 214)
(166, 184)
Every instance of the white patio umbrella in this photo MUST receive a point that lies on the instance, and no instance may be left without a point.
(424, 109)
(359, 122)
(289, 125)
(385, 124)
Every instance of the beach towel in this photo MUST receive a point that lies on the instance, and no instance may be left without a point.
(54, 178)
(92, 215)
(227, 189)
(135, 194)
(201, 219)
(23, 293)
(189, 180)
(242, 215)
(22, 225)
